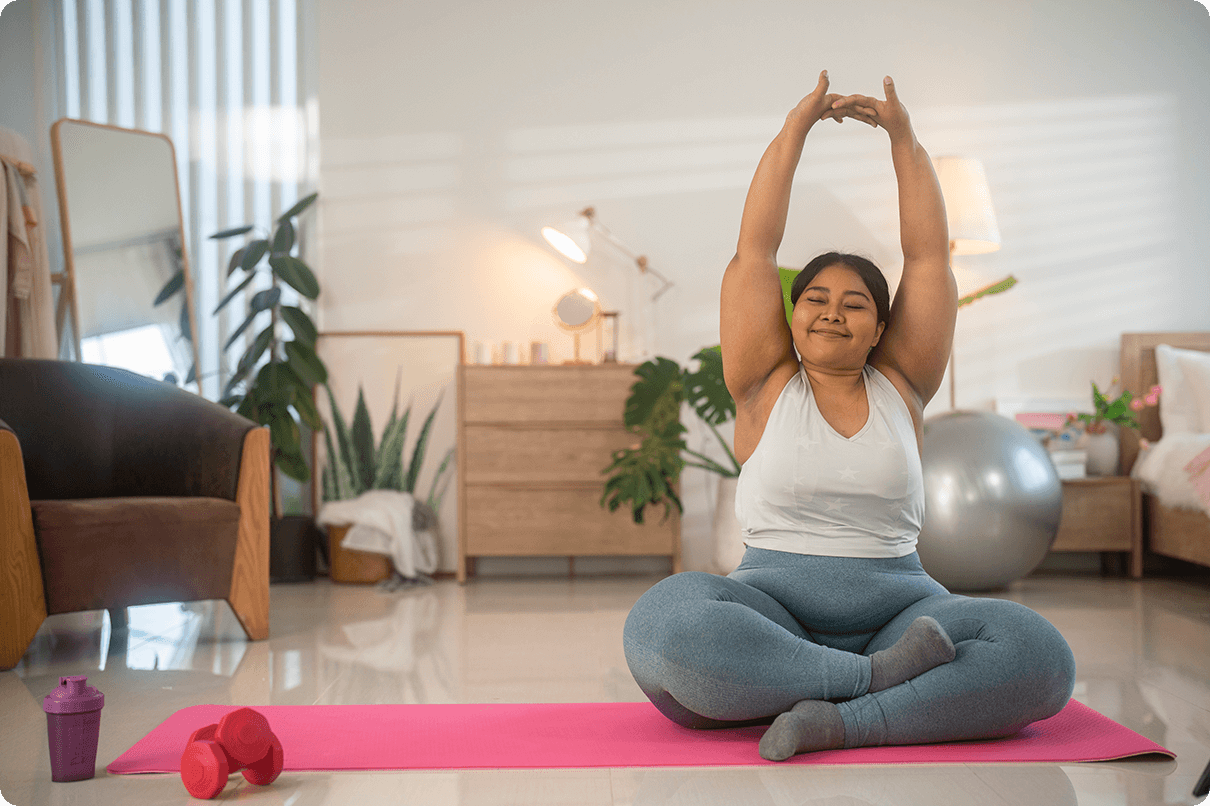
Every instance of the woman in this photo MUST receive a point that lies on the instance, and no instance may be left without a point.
(830, 628)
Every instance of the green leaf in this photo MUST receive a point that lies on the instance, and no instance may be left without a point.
(283, 430)
(294, 466)
(273, 384)
(236, 260)
(342, 482)
(389, 459)
(231, 295)
(302, 326)
(305, 406)
(253, 253)
(247, 407)
(283, 239)
(305, 362)
(437, 494)
(363, 441)
(175, 284)
(254, 352)
(343, 457)
(787, 277)
(298, 207)
(296, 274)
(231, 400)
(231, 233)
(409, 484)
(264, 300)
(658, 391)
(239, 331)
(706, 390)
(185, 324)
(328, 484)
(192, 374)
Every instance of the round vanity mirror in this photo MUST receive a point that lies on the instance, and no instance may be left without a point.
(578, 311)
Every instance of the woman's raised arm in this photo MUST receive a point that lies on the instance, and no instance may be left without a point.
(753, 330)
(920, 333)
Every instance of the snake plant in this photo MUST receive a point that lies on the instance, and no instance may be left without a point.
(355, 464)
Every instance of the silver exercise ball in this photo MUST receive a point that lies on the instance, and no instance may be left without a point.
(992, 501)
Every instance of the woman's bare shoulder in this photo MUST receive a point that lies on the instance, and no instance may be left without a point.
(752, 413)
(911, 397)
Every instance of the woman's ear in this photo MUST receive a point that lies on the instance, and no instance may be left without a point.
(878, 335)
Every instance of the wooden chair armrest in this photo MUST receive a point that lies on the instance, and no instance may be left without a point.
(22, 597)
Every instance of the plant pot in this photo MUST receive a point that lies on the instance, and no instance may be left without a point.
(358, 567)
(728, 539)
(293, 541)
(1103, 453)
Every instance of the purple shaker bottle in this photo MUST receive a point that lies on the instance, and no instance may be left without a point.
(73, 727)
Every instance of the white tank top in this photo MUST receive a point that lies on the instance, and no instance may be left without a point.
(806, 489)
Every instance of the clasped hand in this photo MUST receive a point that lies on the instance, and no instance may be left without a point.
(887, 113)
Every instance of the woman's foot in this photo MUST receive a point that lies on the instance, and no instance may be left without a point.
(924, 646)
(810, 725)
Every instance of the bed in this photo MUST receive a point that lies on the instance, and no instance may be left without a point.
(1174, 527)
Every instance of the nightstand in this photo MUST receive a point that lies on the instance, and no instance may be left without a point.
(1103, 513)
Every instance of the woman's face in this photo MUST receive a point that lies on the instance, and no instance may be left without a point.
(835, 323)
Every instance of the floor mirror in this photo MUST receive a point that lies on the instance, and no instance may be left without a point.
(127, 295)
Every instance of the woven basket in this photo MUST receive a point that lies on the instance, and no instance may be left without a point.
(360, 567)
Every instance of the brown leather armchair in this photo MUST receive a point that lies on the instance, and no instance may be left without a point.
(119, 490)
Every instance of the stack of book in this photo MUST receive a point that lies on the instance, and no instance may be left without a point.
(1059, 437)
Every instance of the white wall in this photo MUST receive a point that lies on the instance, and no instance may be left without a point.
(450, 133)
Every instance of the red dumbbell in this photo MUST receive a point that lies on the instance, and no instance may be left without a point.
(241, 741)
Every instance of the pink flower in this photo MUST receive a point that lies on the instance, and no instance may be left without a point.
(1155, 390)
(1137, 404)
(1144, 443)
(1151, 399)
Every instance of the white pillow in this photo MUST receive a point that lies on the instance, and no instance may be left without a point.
(1185, 400)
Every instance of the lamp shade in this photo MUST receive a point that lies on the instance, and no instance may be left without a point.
(968, 205)
(571, 239)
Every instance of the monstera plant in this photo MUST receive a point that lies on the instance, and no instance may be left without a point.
(647, 473)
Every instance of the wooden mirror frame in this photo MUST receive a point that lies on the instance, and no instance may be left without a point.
(67, 300)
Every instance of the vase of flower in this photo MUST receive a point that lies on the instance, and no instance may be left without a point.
(1101, 428)
(1103, 448)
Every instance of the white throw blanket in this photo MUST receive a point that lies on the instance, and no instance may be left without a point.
(380, 521)
(1162, 470)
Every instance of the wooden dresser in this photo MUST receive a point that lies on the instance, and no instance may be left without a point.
(534, 440)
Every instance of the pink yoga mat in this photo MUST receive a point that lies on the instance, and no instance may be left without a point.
(569, 735)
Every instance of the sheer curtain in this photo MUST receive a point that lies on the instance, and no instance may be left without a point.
(225, 79)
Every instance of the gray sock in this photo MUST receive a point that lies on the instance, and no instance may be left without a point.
(810, 725)
(924, 646)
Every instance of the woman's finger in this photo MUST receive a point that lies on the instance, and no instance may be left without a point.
(857, 100)
(888, 87)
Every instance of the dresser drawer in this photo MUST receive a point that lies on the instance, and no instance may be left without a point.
(516, 454)
(547, 394)
(538, 521)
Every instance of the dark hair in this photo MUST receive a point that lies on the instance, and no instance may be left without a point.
(869, 273)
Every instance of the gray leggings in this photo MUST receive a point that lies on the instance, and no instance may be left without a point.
(714, 652)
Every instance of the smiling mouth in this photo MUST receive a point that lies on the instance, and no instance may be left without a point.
(835, 333)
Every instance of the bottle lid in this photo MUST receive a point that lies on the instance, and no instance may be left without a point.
(73, 697)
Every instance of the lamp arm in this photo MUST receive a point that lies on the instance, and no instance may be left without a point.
(639, 260)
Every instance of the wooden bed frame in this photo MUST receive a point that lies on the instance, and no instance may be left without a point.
(1180, 533)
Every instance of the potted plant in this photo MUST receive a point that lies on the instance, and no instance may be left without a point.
(647, 473)
(1100, 438)
(273, 378)
(354, 465)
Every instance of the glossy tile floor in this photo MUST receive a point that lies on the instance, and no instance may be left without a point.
(1142, 648)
